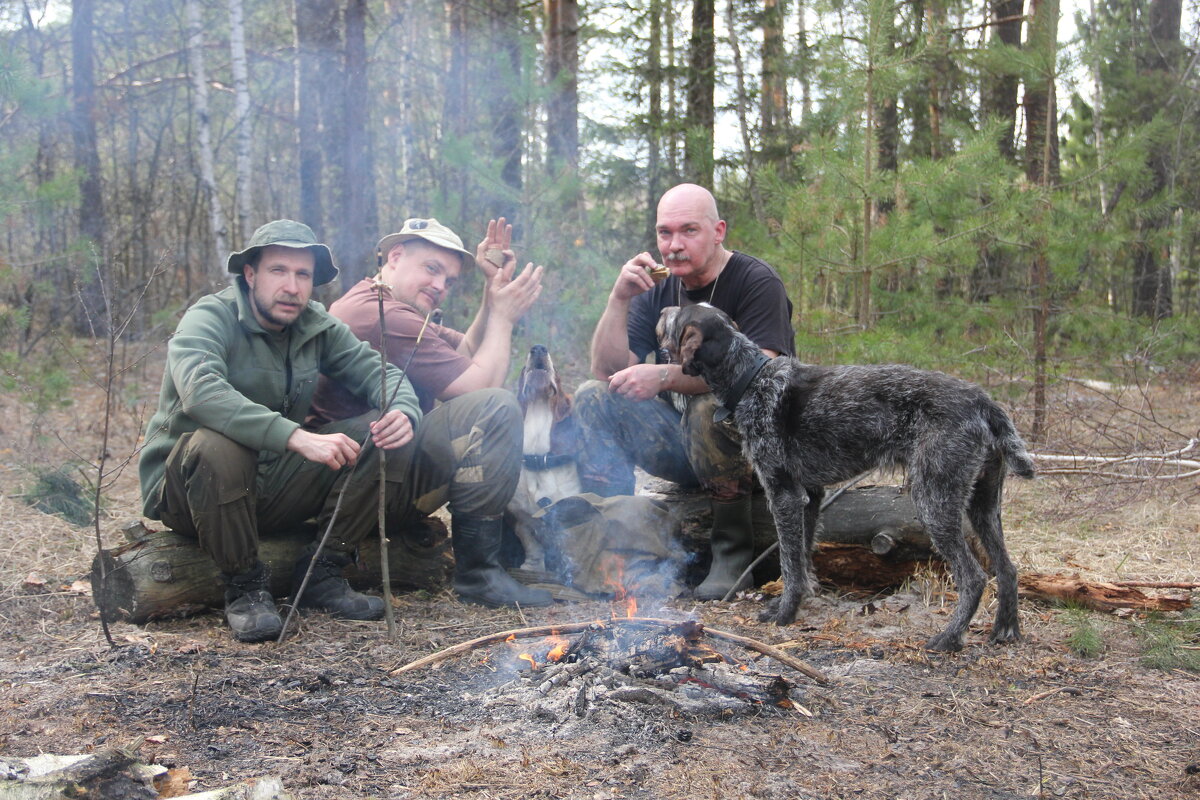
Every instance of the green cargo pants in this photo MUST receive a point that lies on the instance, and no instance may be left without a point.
(225, 494)
(466, 451)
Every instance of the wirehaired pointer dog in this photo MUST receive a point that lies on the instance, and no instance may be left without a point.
(804, 427)
(548, 471)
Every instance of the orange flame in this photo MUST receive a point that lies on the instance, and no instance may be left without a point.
(533, 665)
(557, 653)
(614, 577)
(512, 637)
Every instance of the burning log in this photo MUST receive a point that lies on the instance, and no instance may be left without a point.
(163, 574)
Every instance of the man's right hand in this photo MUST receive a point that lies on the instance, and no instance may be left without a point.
(334, 450)
(634, 278)
(509, 296)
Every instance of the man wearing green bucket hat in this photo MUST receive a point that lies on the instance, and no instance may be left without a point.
(467, 450)
(225, 455)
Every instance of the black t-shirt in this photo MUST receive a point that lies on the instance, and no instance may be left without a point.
(749, 290)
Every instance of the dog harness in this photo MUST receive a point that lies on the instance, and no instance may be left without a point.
(739, 387)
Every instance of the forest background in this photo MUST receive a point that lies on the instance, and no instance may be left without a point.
(952, 184)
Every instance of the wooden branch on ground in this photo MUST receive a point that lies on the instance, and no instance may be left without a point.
(577, 627)
(1094, 594)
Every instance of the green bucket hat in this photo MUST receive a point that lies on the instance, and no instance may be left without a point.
(430, 230)
(287, 233)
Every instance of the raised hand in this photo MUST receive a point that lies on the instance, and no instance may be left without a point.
(495, 253)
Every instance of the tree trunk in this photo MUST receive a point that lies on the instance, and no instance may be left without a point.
(244, 201)
(742, 102)
(162, 574)
(1041, 108)
(456, 105)
(701, 87)
(1157, 68)
(774, 100)
(87, 164)
(204, 154)
(869, 536)
(562, 69)
(312, 19)
(998, 101)
(507, 145)
(1041, 168)
(359, 224)
(654, 125)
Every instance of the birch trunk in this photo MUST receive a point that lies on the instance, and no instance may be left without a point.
(241, 120)
(208, 182)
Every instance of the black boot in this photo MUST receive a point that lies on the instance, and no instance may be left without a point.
(249, 608)
(328, 591)
(732, 548)
(478, 576)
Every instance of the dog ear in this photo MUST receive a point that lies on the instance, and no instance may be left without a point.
(690, 340)
(562, 405)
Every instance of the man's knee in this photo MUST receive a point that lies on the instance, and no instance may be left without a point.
(212, 451)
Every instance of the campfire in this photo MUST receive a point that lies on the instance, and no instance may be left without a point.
(631, 659)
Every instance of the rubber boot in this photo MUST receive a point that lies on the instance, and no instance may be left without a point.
(328, 591)
(478, 576)
(249, 608)
(732, 548)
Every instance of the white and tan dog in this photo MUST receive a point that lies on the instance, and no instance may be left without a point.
(548, 472)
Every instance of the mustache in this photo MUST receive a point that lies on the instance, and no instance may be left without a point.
(677, 257)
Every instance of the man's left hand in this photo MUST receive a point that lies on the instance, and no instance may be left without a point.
(639, 382)
(394, 429)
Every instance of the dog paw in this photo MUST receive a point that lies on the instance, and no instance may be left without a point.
(944, 642)
(779, 613)
(1004, 634)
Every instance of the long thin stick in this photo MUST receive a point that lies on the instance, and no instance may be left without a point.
(384, 567)
(576, 627)
(366, 442)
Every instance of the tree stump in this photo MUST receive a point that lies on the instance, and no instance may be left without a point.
(159, 574)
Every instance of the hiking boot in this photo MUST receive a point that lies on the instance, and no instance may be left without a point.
(249, 608)
(328, 591)
(478, 576)
(732, 548)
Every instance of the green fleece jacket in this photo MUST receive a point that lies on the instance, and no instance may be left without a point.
(228, 373)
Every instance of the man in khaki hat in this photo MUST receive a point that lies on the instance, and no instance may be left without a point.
(225, 456)
(467, 450)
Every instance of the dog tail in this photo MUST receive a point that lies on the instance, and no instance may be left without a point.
(1016, 457)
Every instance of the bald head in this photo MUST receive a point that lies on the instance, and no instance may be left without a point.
(690, 234)
(689, 199)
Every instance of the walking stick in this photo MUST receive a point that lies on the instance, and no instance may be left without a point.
(387, 402)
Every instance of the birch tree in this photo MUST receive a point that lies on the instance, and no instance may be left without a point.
(204, 154)
(241, 120)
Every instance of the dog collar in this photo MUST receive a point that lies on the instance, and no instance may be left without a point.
(547, 461)
(740, 386)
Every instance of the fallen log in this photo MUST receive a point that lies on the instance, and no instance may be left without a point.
(869, 538)
(158, 574)
(1095, 595)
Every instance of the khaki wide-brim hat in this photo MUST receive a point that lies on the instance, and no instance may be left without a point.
(287, 233)
(430, 230)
